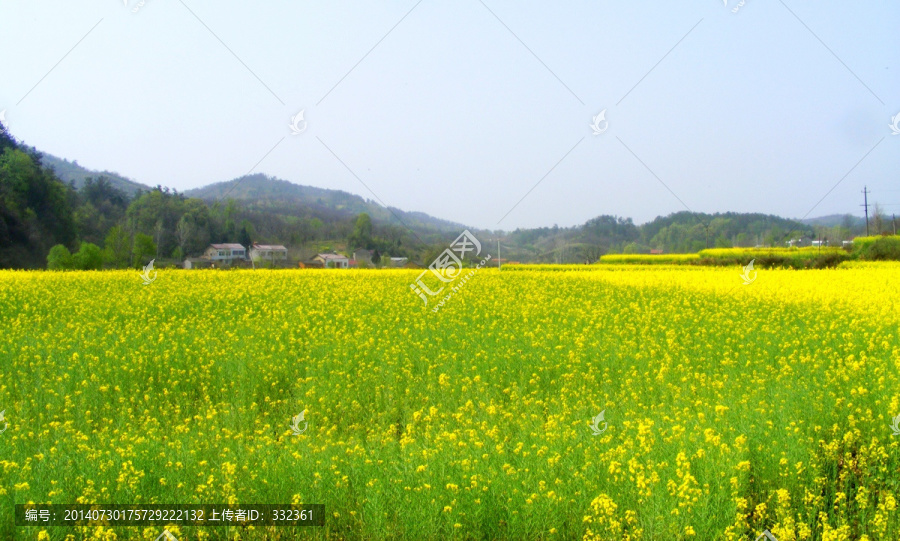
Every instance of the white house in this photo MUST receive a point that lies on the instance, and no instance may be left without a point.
(268, 252)
(333, 261)
(225, 253)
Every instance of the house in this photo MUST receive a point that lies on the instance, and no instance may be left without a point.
(820, 243)
(363, 256)
(268, 252)
(399, 261)
(333, 261)
(654, 251)
(196, 263)
(225, 253)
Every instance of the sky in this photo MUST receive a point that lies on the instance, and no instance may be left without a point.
(478, 112)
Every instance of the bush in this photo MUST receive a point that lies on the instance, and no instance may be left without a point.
(792, 258)
(60, 258)
(89, 257)
(881, 249)
(648, 259)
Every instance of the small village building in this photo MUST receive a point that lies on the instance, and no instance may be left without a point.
(333, 261)
(268, 252)
(225, 253)
(363, 256)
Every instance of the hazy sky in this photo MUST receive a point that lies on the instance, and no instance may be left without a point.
(459, 109)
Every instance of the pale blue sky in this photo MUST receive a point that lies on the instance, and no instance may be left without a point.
(451, 114)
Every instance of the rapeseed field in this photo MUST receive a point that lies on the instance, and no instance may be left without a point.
(729, 405)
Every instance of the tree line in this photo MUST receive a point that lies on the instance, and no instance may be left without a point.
(44, 221)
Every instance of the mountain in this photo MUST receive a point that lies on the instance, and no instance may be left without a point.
(72, 172)
(262, 193)
(844, 220)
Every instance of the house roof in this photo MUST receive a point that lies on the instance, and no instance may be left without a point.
(269, 247)
(227, 246)
(331, 256)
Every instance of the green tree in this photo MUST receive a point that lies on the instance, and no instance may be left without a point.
(362, 233)
(144, 249)
(722, 242)
(35, 207)
(245, 236)
(89, 257)
(118, 247)
(59, 258)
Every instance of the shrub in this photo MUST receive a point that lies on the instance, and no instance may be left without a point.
(60, 258)
(881, 249)
(89, 257)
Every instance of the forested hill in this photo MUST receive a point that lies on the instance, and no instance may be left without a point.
(71, 172)
(261, 193)
(89, 219)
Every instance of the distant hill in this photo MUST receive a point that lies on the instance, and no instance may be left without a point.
(72, 172)
(833, 220)
(262, 193)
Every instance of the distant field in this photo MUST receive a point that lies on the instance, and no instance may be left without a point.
(763, 257)
(728, 408)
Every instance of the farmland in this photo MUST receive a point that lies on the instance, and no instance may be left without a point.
(731, 407)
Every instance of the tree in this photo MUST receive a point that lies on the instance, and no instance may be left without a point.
(245, 236)
(722, 242)
(118, 247)
(376, 257)
(362, 232)
(144, 248)
(89, 257)
(35, 207)
(878, 219)
(59, 258)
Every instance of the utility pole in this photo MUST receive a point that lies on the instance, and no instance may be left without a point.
(865, 204)
(498, 256)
